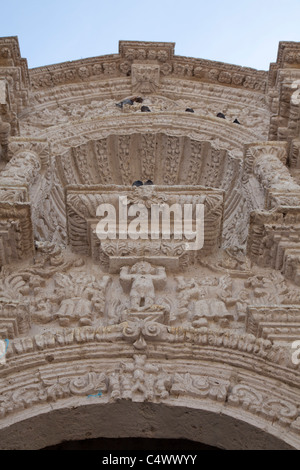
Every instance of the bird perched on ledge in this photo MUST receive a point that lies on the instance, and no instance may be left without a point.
(137, 183)
(130, 101)
(127, 101)
(138, 99)
(221, 115)
(140, 183)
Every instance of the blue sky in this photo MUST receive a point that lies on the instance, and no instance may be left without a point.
(244, 32)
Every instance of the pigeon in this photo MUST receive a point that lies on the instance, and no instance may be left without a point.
(221, 115)
(137, 183)
(148, 183)
(127, 101)
(189, 110)
(145, 109)
(137, 99)
(236, 121)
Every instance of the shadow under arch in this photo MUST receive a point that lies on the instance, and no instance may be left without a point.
(130, 444)
(127, 419)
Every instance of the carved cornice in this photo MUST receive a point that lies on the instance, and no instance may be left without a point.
(133, 50)
(288, 54)
(147, 53)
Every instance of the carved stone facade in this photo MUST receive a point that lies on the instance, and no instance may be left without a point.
(154, 338)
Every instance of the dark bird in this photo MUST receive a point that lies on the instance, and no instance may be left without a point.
(189, 110)
(148, 183)
(221, 115)
(137, 99)
(236, 121)
(137, 183)
(127, 101)
(145, 109)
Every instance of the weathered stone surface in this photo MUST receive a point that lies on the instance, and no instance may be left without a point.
(144, 334)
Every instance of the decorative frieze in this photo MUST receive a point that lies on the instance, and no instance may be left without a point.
(148, 54)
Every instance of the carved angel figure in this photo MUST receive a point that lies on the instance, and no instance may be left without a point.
(81, 298)
(143, 278)
(207, 298)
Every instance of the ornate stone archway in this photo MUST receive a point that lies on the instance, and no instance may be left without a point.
(143, 336)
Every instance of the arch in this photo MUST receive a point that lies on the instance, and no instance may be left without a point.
(203, 389)
(126, 419)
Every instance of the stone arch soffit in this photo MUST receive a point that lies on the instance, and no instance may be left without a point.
(165, 157)
(213, 426)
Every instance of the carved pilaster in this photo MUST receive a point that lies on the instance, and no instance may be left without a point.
(20, 197)
(276, 323)
(284, 92)
(274, 240)
(14, 89)
(264, 166)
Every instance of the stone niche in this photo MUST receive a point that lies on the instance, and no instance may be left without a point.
(83, 202)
